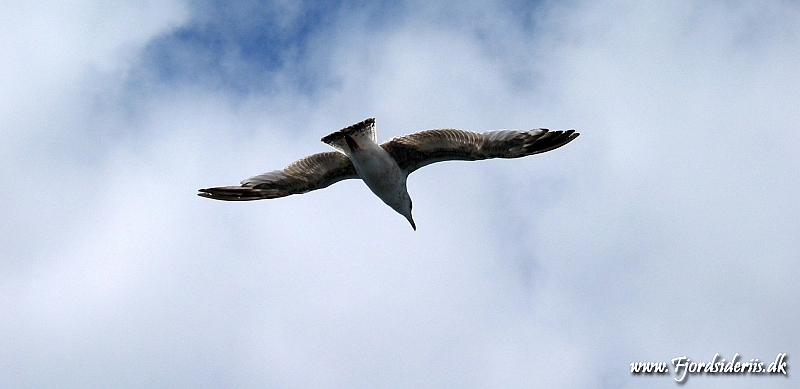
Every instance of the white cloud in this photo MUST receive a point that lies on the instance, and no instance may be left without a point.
(61, 59)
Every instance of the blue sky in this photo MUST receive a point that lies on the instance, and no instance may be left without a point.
(668, 228)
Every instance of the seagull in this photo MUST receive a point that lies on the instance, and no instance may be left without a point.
(385, 167)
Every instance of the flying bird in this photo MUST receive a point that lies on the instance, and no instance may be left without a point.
(385, 167)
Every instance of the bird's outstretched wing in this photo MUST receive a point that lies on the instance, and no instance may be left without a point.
(316, 171)
(416, 150)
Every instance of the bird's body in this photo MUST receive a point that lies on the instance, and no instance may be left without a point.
(374, 166)
(385, 167)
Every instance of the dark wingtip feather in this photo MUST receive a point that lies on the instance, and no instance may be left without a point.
(549, 140)
(232, 193)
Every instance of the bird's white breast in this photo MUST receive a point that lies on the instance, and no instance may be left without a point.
(380, 172)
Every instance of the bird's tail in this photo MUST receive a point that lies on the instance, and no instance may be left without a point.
(362, 130)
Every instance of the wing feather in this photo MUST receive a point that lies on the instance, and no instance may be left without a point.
(316, 171)
(416, 150)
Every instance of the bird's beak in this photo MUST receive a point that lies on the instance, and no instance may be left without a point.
(411, 220)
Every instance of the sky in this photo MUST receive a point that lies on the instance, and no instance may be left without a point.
(669, 228)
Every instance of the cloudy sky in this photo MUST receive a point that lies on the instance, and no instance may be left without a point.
(670, 227)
